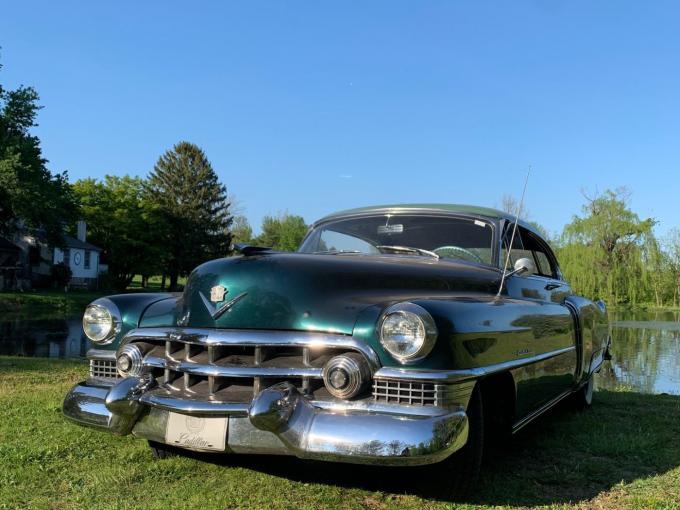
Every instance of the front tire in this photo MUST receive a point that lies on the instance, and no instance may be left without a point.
(457, 475)
(160, 451)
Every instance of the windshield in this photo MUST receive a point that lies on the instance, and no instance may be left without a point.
(414, 235)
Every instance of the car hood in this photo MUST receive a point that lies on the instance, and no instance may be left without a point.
(295, 291)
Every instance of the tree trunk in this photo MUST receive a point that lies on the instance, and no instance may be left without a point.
(145, 281)
(173, 281)
(163, 281)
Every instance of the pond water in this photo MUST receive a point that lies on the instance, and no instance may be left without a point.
(42, 336)
(646, 346)
(646, 352)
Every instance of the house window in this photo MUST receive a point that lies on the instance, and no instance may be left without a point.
(87, 259)
(67, 257)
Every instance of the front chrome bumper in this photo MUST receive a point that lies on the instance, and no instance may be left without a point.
(280, 420)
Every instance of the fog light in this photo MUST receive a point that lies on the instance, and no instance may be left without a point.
(124, 362)
(129, 361)
(347, 375)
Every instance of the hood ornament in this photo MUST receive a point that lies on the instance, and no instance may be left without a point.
(217, 294)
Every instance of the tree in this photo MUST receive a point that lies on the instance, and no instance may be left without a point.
(194, 206)
(284, 232)
(672, 249)
(241, 231)
(29, 193)
(124, 223)
(510, 205)
(603, 252)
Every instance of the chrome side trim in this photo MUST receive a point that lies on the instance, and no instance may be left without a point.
(535, 414)
(217, 312)
(206, 337)
(453, 376)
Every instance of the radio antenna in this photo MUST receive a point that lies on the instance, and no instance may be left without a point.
(514, 229)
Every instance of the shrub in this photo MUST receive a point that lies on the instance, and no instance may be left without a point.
(61, 274)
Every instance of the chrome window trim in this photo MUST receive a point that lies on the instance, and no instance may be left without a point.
(452, 376)
(489, 220)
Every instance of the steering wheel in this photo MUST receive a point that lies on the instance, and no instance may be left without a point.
(446, 251)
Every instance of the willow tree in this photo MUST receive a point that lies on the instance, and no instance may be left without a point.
(672, 249)
(603, 252)
(195, 208)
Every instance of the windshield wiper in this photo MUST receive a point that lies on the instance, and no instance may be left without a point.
(407, 249)
(336, 252)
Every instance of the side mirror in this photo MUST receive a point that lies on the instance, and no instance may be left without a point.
(524, 267)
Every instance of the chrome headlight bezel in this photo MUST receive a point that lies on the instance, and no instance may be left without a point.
(134, 356)
(356, 370)
(104, 305)
(411, 312)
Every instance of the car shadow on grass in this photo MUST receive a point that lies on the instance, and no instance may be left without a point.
(564, 456)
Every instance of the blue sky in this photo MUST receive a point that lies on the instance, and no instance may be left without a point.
(318, 106)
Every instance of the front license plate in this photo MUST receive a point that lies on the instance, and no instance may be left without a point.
(196, 432)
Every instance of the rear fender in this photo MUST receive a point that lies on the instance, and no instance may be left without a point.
(591, 335)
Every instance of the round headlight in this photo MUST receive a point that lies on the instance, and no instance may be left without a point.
(101, 321)
(407, 332)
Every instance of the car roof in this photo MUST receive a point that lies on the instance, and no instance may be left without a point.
(472, 210)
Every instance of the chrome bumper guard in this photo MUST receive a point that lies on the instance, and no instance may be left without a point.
(279, 420)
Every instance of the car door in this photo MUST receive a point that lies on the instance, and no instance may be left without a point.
(547, 320)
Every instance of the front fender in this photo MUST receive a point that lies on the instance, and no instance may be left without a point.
(132, 308)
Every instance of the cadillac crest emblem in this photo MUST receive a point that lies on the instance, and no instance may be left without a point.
(217, 293)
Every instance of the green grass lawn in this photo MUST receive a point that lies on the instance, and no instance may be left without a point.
(45, 301)
(623, 453)
(51, 301)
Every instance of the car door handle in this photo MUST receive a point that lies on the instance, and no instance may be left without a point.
(552, 286)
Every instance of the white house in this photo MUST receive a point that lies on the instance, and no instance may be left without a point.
(81, 256)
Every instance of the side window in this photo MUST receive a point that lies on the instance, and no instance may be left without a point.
(518, 251)
(545, 262)
(527, 245)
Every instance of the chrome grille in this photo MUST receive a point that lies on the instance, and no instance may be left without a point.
(103, 369)
(235, 365)
(407, 392)
(419, 393)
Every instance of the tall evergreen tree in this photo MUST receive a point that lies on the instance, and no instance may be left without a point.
(195, 207)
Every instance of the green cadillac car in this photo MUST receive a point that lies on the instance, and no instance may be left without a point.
(395, 335)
